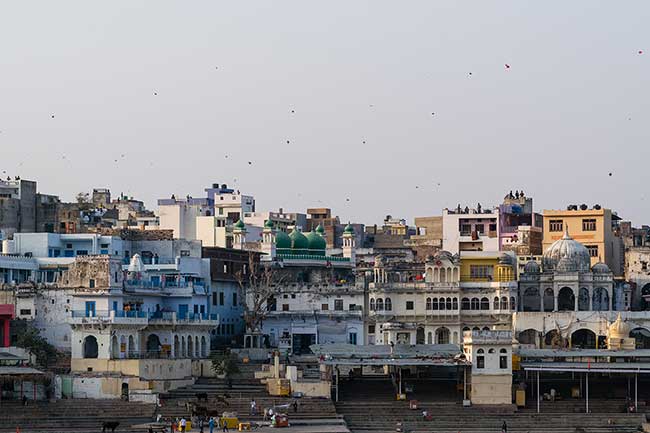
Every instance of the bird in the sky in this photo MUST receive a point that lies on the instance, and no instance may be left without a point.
(347, 199)
(610, 174)
(155, 93)
(364, 141)
(640, 51)
(250, 163)
(287, 141)
(293, 111)
(507, 66)
(52, 116)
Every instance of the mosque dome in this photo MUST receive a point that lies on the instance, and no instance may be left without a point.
(316, 242)
(298, 241)
(619, 329)
(505, 259)
(320, 229)
(532, 267)
(348, 229)
(269, 224)
(567, 248)
(282, 241)
(600, 268)
(239, 225)
(566, 264)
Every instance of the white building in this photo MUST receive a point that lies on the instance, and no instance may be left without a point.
(470, 229)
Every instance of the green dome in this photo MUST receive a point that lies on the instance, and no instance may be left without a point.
(298, 241)
(269, 224)
(316, 242)
(240, 225)
(348, 229)
(282, 241)
(320, 229)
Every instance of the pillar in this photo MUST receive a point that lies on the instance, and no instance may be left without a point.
(554, 302)
(591, 299)
(576, 297)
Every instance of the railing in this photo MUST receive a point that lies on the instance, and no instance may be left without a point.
(150, 315)
(161, 285)
(312, 257)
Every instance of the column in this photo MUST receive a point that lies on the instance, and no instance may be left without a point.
(587, 391)
(591, 299)
(537, 391)
(576, 297)
(554, 302)
(541, 300)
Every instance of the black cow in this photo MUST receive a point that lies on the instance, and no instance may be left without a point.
(112, 425)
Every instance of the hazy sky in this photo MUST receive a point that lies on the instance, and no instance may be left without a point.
(573, 106)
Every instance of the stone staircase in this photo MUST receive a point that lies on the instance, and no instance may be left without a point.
(78, 415)
(379, 417)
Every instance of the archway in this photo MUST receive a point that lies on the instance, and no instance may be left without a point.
(554, 339)
(183, 347)
(443, 275)
(153, 345)
(583, 339)
(204, 349)
(642, 337)
(90, 347)
(600, 300)
(549, 300)
(485, 304)
(429, 274)
(475, 304)
(177, 347)
(529, 336)
(645, 295)
(388, 305)
(197, 347)
(583, 299)
(442, 335)
(131, 347)
(429, 337)
(190, 347)
(419, 335)
(566, 299)
(504, 303)
(530, 301)
(115, 348)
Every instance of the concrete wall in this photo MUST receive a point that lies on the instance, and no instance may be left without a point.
(492, 389)
(146, 369)
(312, 389)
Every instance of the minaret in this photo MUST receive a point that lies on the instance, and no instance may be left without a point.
(268, 240)
(349, 243)
(239, 235)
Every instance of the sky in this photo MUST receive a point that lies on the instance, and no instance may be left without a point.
(372, 108)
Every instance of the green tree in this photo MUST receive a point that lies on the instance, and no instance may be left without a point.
(225, 364)
(36, 345)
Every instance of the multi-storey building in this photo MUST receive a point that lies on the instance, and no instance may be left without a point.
(596, 228)
(465, 229)
(437, 302)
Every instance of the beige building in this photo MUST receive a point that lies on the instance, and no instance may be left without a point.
(595, 228)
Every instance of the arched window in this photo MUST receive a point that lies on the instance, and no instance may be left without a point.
(379, 306)
(434, 304)
(513, 303)
(485, 328)
(90, 348)
(442, 303)
(485, 304)
(480, 359)
(442, 335)
(449, 304)
(428, 306)
(455, 304)
(504, 303)
(491, 351)
(388, 304)
(495, 305)
(430, 338)
(475, 304)
(503, 359)
(372, 304)
(464, 304)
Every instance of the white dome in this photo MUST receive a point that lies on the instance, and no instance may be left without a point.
(600, 268)
(532, 267)
(566, 248)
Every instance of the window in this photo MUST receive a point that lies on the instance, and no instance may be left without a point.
(475, 304)
(485, 304)
(428, 304)
(214, 298)
(555, 225)
(380, 304)
(185, 253)
(372, 304)
(25, 312)
(91, 283)
(493, 227)
(464, 304)
(589, 225)
(496, 304)
(449, 303)
(465, 229)
(222, 298)
(352, 338)
(82, 252)
(371, 329)
(593, 250)
(388, 304)
(338, 305)
(352, 307)
(324, 307)
(480, 359)
(285, 307)
(503, 359)
(480, 228)
(234, 299)
(441, 305)
(481, 271)
(409, 305)
(455, 304)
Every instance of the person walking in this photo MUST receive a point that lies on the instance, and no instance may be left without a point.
(201, 425)
(295, 406)
(504, 427)
(253, 407)
(183, 424)
(211, 424)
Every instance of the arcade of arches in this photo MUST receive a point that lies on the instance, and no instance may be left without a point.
(579, 339)
(125, 347)
(566, 299)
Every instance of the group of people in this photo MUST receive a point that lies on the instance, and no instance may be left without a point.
(211, 423)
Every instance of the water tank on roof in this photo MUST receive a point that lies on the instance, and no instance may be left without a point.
(584, 207)
(224, 186)
(597, 207)
(215, 185)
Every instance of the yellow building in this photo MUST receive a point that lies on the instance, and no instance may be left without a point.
(480, 266)
(594, 228)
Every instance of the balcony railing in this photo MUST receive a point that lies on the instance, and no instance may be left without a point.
(149, 315)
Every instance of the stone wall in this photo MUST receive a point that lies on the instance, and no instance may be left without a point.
(491, 389)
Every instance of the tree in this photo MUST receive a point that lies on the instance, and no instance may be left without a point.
(257, 286)
(37, 346)
(83, 198)
(225, 364)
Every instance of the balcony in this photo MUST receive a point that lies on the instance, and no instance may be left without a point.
(116, 317)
